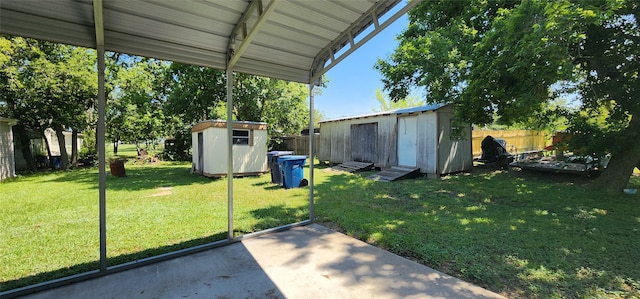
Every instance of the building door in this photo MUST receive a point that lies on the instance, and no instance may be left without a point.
(407, 141)
(200, 168)
(364, 142)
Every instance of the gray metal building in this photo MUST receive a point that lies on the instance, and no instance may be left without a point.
(426, 137)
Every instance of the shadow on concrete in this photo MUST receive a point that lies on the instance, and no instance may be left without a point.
(521, 234)
(224, 272)
(316, 261)
(303, 262)
(112, 261)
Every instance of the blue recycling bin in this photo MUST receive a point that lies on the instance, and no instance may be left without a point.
(292, 168)
(272, 161)
(56, 161)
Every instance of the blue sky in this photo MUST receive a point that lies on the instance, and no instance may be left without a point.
(353, 81)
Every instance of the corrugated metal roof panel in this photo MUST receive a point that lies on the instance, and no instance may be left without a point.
(424, 108)
(291, 42)
(170, 13)
(417, 109)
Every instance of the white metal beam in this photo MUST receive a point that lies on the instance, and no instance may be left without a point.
(229, 154)
(320, 66)
(98, 18)
(312, 136)
(241, 27)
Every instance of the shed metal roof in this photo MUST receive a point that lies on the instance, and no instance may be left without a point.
(417, 109)
(285, 39)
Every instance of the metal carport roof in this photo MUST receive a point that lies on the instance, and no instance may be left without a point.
(285, 39)
(290, 40)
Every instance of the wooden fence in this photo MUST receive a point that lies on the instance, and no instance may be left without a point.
(300, 144)
(517, 140)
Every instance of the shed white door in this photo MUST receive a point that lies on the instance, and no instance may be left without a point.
(407, 141)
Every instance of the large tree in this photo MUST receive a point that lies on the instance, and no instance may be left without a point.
(194, 92)
(510, 59)
(135, 113)
(47, 85)
(199, 93)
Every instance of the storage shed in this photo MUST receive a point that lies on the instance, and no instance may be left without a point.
(7, 156)
(210, 158)
(426, 137)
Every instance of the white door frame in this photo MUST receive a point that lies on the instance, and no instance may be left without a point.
(408, 141)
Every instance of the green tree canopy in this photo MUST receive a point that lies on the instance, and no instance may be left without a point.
(510, 59)
(46, 85)
(387, 104)
(199, 93)
(135, 105)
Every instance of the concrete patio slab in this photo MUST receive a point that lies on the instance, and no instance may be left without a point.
(304, 262)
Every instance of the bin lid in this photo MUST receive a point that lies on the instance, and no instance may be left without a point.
(279, 153)
(287, 158)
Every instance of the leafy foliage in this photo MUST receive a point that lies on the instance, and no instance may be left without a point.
(198, 93)
(514, 61)
(386, 104)
(47, 85)
(194, 92)
(53, 85)
(134, 111)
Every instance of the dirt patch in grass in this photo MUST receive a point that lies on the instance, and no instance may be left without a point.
(580, 180)
(162, 191)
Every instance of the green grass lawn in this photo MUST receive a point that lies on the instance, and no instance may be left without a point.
(49, 221)
(519, 234)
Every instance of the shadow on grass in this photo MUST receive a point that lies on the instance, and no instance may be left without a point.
(278, 215)
(268, 185)
(522, 237)
(138, 177)
(112, 261)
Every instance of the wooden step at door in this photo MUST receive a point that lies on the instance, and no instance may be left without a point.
(353, 166)
(395, 173)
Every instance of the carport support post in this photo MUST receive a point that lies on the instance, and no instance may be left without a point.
(229, 154)
(102, 172)
(102, 106)
(311, 153)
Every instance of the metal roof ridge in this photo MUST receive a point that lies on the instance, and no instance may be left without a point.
(422, 108)
(235, 121)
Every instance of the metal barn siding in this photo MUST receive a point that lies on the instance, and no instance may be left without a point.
(210, 142)
(336, 141)
(454, 153)
(324, 143)
(7, 158)
(364, 137)
(419, 136)
(427, 142)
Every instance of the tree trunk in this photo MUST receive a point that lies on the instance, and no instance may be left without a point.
(25, 146)
(620, 168)
(48, 147)
(616, 176)
(115, 147)
(64, 157)
(74, 148)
